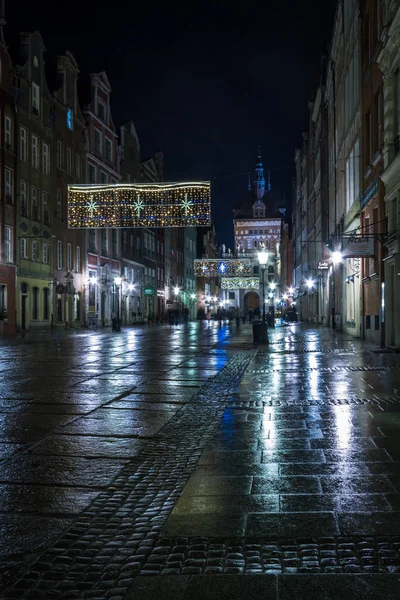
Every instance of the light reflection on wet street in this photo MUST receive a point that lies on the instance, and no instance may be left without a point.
(303, 456)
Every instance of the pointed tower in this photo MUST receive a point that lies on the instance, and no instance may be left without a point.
(259, 188)
(259, 183)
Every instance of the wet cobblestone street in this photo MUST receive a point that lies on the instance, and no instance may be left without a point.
(186, 463)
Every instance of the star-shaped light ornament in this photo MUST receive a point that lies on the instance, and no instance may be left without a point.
(240, 267)
(186, 204)
(92, 205)
(222, 267)
(204, 268)
(138, 206)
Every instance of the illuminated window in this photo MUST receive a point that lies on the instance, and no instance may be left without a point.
(70, 119)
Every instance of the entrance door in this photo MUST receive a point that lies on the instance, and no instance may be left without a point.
(251, 301)
(24, 299)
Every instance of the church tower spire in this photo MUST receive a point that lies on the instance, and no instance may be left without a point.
(259, 183)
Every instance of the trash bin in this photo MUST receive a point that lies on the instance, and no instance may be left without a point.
(260, 332)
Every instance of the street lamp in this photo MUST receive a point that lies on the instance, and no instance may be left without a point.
(336, 259)
(117, 281)
(263, 260)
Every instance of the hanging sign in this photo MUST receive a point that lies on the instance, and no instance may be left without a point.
(148, 291)
(358, 246)
(323, 265)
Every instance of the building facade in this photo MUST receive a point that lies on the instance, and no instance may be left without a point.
(132, 310)
(33, 142)
(389, 63)
(372, 218)
(8, 195)
(258, 225)
(67, 246)
(104, 291)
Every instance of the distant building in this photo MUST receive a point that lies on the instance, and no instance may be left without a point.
(258, 224)
(8, 196)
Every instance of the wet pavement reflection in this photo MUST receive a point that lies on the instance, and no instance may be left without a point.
(283, 474)
(307, 444)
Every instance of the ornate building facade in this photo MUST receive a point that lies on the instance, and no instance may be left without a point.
(258, 224)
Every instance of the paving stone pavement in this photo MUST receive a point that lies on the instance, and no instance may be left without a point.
(281, 463)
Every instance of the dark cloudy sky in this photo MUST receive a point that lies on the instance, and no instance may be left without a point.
(205, 82)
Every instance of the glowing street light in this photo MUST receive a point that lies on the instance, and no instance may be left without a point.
(337, 257)
(176, 291)
(272, 285)
(310, 284)
(285, 297)
(117, 280)
(291, 291)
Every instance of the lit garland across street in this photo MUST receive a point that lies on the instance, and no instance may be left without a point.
(229, 267)
(240, 283)
(139, 205)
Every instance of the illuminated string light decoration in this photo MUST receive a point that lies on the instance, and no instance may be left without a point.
(240, 283)
(139, 205)
(211, 267)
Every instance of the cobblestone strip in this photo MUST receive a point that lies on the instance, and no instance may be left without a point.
(259, 404)
(111, 541)
(205, 556)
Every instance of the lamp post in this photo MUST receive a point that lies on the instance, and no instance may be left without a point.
(263, 260)
(117, 281)
(336, 259)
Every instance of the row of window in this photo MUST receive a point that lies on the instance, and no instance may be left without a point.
(257, 231)
(39, 156)
(64, 160)
(102, 145)
(249, 244)
(103, 176)
(37, 252)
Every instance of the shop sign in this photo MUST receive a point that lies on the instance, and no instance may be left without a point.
(358, 246)
(160, 294)
(148, 291)
(323, 265)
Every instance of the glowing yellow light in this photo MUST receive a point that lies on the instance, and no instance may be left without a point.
(139, 205)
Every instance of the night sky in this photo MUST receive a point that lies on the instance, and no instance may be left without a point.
(205, 83)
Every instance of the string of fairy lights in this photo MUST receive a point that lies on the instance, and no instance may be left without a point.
(240, 283)
(233, 267)
(139, 205)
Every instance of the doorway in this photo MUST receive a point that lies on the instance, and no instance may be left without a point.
(251, 301)
(24, 299)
